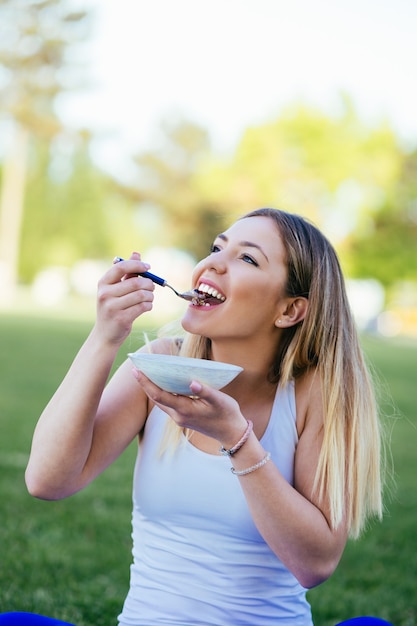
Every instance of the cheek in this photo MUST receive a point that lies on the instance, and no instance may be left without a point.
(252, 288)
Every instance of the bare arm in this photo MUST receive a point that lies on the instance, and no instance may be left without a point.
(290, 519)
(86, 425)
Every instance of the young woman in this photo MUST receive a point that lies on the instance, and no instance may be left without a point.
(298, 427)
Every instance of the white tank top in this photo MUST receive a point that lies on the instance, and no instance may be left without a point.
(198, 558)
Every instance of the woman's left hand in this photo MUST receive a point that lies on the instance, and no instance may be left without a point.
(208, 411)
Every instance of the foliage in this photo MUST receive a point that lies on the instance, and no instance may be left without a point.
(166, 178)
(70, 559)
(386, 249)
(35, 36)
(354, 181)
(70, 209)
(34, 40)
(336, 171)
(333, 170)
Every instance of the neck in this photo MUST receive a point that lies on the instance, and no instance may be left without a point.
(256, 362)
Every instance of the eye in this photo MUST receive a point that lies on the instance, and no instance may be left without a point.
(214, 248)
(248, 259)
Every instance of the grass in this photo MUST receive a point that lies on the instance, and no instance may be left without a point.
(70, 559)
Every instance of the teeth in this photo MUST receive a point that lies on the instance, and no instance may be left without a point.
(210, 291)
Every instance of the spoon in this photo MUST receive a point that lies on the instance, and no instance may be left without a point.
(192, 296)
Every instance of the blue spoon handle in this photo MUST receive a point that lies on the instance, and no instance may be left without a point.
(154, 278)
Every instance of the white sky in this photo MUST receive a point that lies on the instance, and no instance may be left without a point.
(228, 64)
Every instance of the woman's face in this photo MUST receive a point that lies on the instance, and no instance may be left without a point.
(246, 274)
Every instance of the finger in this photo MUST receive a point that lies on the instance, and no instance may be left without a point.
(125, 294)
(135, 298)
(196, 388)
(214, 400)
(123, 269)
(135, 284)
(205, 392)
(160, 396)
(135, 256)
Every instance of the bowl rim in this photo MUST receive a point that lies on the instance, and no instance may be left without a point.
(186, 361)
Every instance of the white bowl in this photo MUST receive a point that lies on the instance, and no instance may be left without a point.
(175, 373)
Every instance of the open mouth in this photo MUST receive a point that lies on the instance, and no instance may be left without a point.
(207, 296)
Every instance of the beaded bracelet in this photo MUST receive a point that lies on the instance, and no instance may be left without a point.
(240, 443)
(252, 468)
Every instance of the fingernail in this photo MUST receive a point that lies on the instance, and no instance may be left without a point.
(196, 387)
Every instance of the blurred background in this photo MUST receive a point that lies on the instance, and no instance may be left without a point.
(150, 126)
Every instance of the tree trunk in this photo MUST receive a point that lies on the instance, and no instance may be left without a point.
(11, 212)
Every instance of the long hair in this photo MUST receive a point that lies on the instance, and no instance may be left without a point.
(348, 475)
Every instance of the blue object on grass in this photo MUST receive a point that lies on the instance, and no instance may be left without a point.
(31, 619)
(365, 621)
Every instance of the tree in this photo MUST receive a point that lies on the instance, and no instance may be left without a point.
(336, 171)
(333, 170)
(35, 39)
(386, 249)
(166, 179)
(69, 208)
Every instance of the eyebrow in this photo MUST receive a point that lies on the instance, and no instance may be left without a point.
(244, 244)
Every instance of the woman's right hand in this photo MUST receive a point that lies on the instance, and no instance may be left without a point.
(122, 297)
(87, 423)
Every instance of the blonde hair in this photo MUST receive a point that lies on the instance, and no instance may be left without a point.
(348, 475)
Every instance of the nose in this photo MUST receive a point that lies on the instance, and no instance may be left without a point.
(214, 262)
(217, 262)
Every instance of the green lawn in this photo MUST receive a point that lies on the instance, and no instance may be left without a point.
(70, 559)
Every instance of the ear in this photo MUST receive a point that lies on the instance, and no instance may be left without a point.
(294, 312)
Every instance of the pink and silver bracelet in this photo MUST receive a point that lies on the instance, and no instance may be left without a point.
(252, 468)
(236, 447)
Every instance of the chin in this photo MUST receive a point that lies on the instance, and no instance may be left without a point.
(195, 324)
(188, 324)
